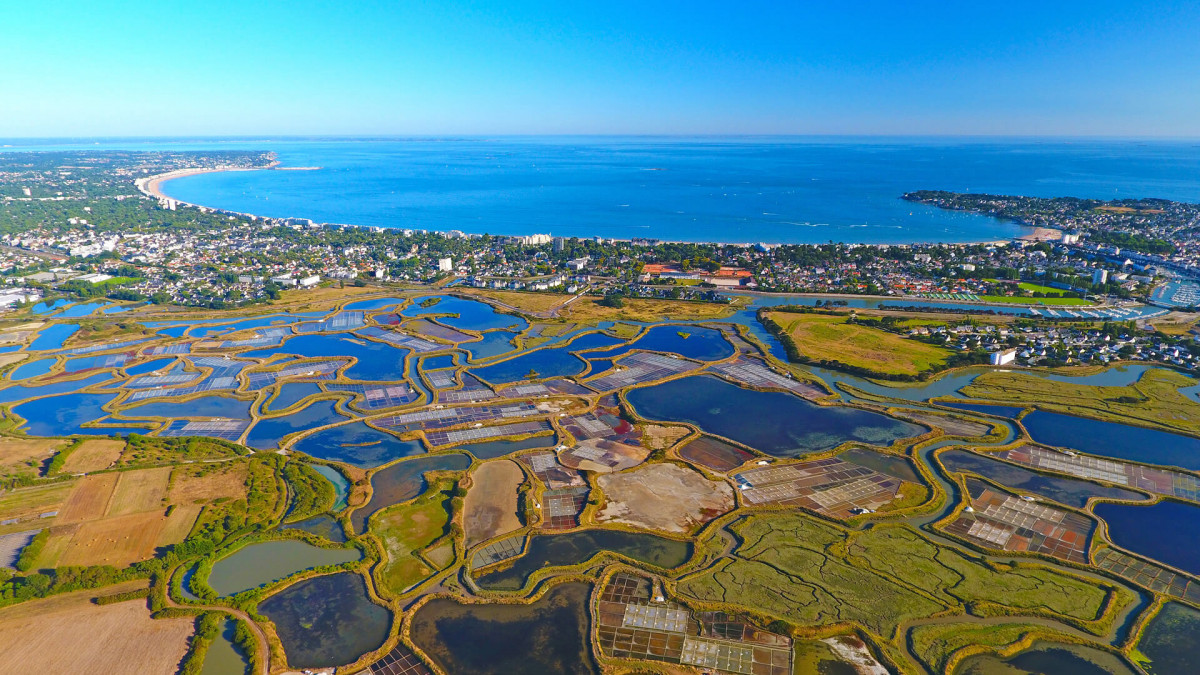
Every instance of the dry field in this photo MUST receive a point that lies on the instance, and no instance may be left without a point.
(93, 455)
(116, 541)
(9, 359)
(89, 498)
(586, 310)
(18, 452)
(69, 634)
(223, 479)
(139, 491)
(529, 302)
(116, 519)
(490, 507)
(665, 497)
(26, 504)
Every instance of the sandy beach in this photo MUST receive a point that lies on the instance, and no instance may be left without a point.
(1042, 234)
(152, 185)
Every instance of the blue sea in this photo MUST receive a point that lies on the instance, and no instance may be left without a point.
(740, 190)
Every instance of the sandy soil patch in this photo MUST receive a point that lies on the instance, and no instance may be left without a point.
(490, 507)
(69, 634)
(9, 359)
(93, 455)
(659, 436)
(89, 499)
(664, 497)
(603, 456)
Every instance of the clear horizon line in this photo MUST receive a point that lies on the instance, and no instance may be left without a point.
(484, 136)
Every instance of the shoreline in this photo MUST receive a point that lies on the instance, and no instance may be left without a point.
(151, 186)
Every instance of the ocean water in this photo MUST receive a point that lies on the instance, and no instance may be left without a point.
(774, 190)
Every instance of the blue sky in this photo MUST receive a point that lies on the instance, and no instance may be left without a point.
(366, 67)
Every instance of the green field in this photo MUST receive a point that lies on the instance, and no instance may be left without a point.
(407, 529)
(807, 572)
(829, 338)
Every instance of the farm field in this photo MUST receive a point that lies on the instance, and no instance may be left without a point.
(26, 455)
(116, 518)
(69, 634)
(93, 455)
(830, 338)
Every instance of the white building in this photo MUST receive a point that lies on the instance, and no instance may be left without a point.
(445, 264)
(1003, 357)
(310, 281)
(1100, 277)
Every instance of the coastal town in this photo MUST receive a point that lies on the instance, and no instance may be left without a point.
(102, 227)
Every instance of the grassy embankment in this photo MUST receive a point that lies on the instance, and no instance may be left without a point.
(588, 310)
(408, 533)
(1153, 401)
(830, 338)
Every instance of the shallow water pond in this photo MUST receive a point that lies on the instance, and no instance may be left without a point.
(1166, 531)
(376, 361)
(776, 423)
(64, 415)
(547, 636)
(322, 526)
(257, 564)
(1172, 641)
(20, 392)
(1066, 491)
(1047, 658)
(494, 343)
(539, 364)
(268, 433)
(204, 406)
(290, 394)
(358, 445)
(53, 337)
(327, 621)
(1109, 439)
(80, 310)
(223, 658)
(693, 342)
(557, 550)
(472, 314)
